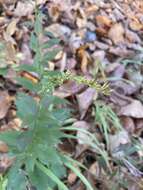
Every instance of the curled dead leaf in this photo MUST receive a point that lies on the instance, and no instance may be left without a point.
(128, 124)
(82, 137)
(116, 33)
(134, 109)
(4, 103)
(59, 30)
(72, 178)
(5, 163)
(67, 89)
(3, 147)
(132, 36)
(85, 100)
(135, 25)
(11, 28)
(91, 9)
(120, 138)
(103, 21)
(24, 8)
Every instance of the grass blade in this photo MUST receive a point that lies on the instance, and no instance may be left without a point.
(51, 175)
(78, 173)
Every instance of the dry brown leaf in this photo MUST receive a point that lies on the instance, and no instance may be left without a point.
(3, 147)
(68, 89)
(118, 139)
(136, 26)
(11, 28)
(119, 71)
(64, 6)
(84, 62)
(95, 169)
(111, 67)
(128, 124)
(72, 178)
(39, 2)
(54, 12)
(99, 55)
(101, 32)
(3, 20)
(85, 100)
(4, 103)
(8, 2)
(103, 21)
(122, 52)
(81, 22)
(120, 92)
(11, 53)
(63, 62)
(134, 109)
(81, 19)
(136, 77)
(5, 163)
(132, 36)
(116, 33)
(84, 58)
(26, 57)
(24, 9)
(59, 30)
(91, 9)
(83, 138)
(139, 124)
(15, 124)
(101, 45)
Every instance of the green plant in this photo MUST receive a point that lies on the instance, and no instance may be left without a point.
(105, 117)
(3, 182)
(34, 148)
(127, 155)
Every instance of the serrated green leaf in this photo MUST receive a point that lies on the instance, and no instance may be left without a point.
(50, 55)
(27, 84)
(47, 100)
(40, 180)
(38, 24)
(24, 139)
(33, 42)
(49, 34)
(30, 163)
(3, 71)
(50, 43)
(51, 175)
(26, 108)
(61, 114)
(27, 67)
(3, 182)
(16, 179)
(79, 174)
(49, 136)
(10, 137)
(48, 155)
(59, 170)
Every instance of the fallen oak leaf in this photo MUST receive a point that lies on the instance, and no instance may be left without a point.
(3, 147)
(24, 9)
(4, 103)
(103, 21)
(116, 33)
(11, 28)
(136, 26)
(85, 100)
(84, 58)
(134, 109)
